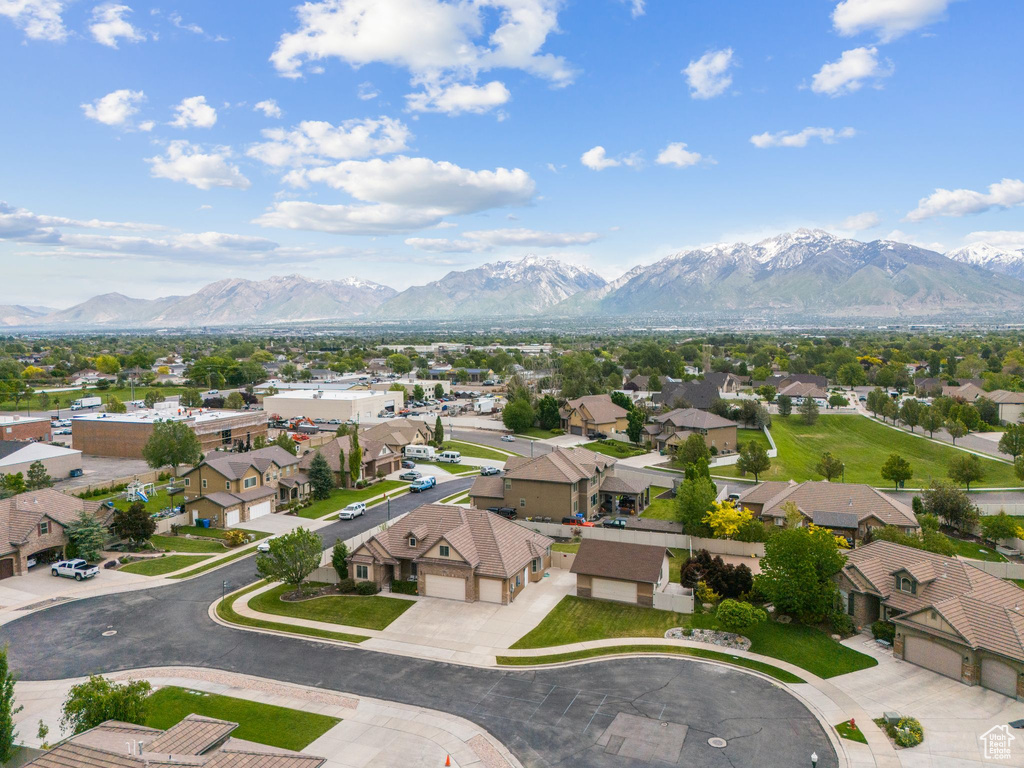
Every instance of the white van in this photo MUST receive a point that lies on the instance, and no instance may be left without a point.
(449, 457)
(424, 452)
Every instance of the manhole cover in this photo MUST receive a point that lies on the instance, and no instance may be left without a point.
(716, 742)
(110, 633)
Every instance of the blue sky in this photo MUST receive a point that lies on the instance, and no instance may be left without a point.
(153, 148)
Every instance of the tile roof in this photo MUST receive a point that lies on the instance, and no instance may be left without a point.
(21, 514)
(985, 611)
(803, 389)
(1004, 397)
(192, 736)
(600, 407)
(492, 545)
(618, 560)
(491, 487)
(616, 483)
(698, 393)
(373, 449)
(234, 465)
(815, 496)
(562, 465)
(394, 432)
(693, 418)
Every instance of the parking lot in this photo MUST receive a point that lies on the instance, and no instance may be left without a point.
(100, 470)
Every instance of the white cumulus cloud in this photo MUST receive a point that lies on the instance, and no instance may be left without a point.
(316, 142)
(402, 194)
(800, 139)
(116, 108)
(366, 91)
(860, 221)
(678, 155)
(194, 112)
(187, 162)
(487, 240)
(596, 159)
(890, 19)
(268, 107)
(709, 75)
(1007, 193)
(458, 98)
(109, 24)
(850, 71)
(39, 19)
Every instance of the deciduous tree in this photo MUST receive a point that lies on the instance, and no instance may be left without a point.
(897, 469)
(37, 477)
(951, 505)
(910, 413)
(966, 468)
(133, 524)
(284, 440)
(725, 519)
(518, 416)
(1001, 526)
(547, 413)
(930, 420)
(797, 570)
(1012, 441)
(753, 459)
(694, 497)
(829, 466)
(635, 425)
(693, 450)
(97, 700)
(173, 443)
(956, 429)
(292, 557)
(737, 616)
(8, 733)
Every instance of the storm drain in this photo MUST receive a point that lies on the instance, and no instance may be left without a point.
(110, 633)
(716, 742)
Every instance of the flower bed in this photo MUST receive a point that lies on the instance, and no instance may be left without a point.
(711, 637)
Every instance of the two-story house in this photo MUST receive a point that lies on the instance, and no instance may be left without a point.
(593, 413)
(668, 431)
(232, 488)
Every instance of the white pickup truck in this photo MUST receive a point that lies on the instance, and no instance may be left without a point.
(74, 569)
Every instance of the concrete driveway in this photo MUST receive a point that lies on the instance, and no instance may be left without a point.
(38, 586)
(456, 625)
(953, 715)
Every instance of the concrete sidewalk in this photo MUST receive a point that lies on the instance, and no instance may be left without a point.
(371, 734)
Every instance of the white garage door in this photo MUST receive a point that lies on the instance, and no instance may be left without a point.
(231, 517)
(610, 589)
(450, 587)
(259, 510)
(490, 590)
(937, 658)
(1000, 677)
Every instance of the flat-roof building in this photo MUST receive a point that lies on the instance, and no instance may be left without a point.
(355, 405)
(15, 427)
(125, 434)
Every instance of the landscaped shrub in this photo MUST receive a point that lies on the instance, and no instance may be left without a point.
(404, 587)
(909, 732)
(736, 616)
(347, 585)
(366, 588)
(360, 484)
(706, 594)
(884, 630)
(557, 431)
(727, 580)
(841, 623)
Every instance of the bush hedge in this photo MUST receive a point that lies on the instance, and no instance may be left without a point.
(404, 587)
(366, 588)
(884, 630)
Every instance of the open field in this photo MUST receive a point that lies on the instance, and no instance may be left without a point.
(473, 450)
(863, 445)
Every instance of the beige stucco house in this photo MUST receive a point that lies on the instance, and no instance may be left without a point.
(621, 572)
(668, 431)
(593, 413)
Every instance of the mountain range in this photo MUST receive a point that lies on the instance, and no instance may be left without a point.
(806, 272)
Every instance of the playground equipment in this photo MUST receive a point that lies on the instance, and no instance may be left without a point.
(137, 490)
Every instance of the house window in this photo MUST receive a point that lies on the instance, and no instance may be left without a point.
(250, 482)
(44, 528)
(413, 571)
(443, 551)
(227, 485)
(508, 484)
(593, 499)
(204, 483)
(266, 477)
(575, 487)
(412, 541)
(906, 585)
(186, 482)
(849, 603)
(534, 564)
(575, 505)
(362, 572)
(518, 580)
(522, 503)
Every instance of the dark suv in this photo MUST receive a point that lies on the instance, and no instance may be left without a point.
(508, 513)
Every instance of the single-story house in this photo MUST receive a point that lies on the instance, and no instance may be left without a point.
(696, 393)
(195, 741)
(17, 456)
(950, 617)
(1011, 405)
(799, 390)
(455, 553)
(397, 433)
(593, 413)
(670, 430)
(33, 526)
(625, 573)
(849, 509)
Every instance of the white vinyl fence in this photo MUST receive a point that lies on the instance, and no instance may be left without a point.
(664, 601)
(1002, 570)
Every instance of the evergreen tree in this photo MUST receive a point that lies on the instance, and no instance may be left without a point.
(355, 459)
(785, 403)
(321, 478)
(8, 734)
(87, 535)
(438, 432)
(38, 477)
(809, 410)
(339, 559)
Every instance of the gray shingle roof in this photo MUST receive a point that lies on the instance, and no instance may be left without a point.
(817, 496)
(693, 418)
(618, 560)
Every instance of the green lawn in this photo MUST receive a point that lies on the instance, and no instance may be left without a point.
(851, 732)
(371, 612)
(744, 436)
(540, 434)
(64, 399)
(615, 448)
(262, 723)
(216, 533)
(473, 450)
(158, 566)
(182, 544)
(975, 551)
(342, 497)
(226, 611)
(701, 653)
(864, 445)
(566, 546)
(660, 509)
(576, 620)
(215, 563)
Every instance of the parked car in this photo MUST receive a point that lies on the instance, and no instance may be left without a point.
(412, 474)
(408, 464)
(614, 522)
(734, 497)
(352, 511)
(597, 436)
(577, 521)
(487, 471)
(264, 546)
(423, 484)
(213, 392)
(78, 570)
(509, 513)
(449, 457)
(508, 438)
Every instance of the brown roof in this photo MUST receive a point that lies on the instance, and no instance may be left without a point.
(192, 736)
(234, 465)
(259, 492)
(633, 483)
(491, 545)
(372, 450)
(692, 418)
(20, 515)
(803, 389)
(1004, 397)
(815, 496)
(491, 487)
(617, 560)
(600, 407)
(562, 465)
(221, 498)
(395, 432)
(984, 610)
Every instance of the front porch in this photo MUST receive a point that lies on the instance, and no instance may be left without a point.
(623, 496)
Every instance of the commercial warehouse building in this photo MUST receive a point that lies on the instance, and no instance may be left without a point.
(355, 405)
(17, 456)
(124, 434)
(14, 427)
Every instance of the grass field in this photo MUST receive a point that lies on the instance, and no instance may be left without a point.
(63, 400)
(473, 450)
(261, 723)
(226, 611)
(342, 497)
(576, 620)
(182, 544)
(700, 653)
(615, 448)
(371, 612)
(243, 552)
(158, 566)
(752, 436)
(975, 551)
(566, 546)
(660, 509)
(540, 434)
(863, 445)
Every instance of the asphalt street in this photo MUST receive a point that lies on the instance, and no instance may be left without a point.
(553, 717)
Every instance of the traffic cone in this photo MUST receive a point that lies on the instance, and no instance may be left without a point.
(448, 761)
